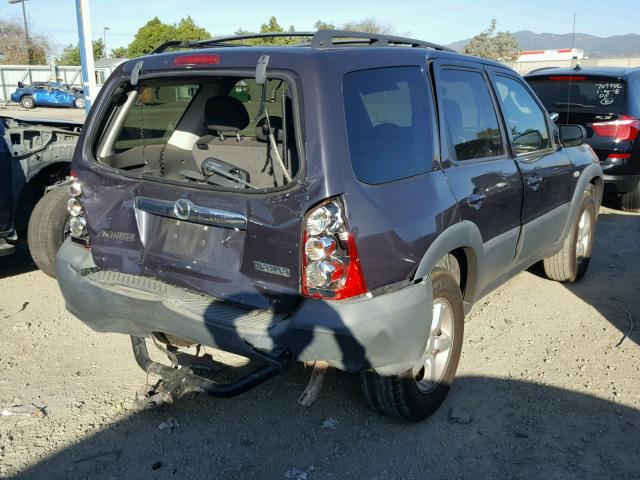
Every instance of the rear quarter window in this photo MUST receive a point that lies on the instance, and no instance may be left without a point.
(388, 123)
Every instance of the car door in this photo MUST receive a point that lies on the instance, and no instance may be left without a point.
(545, 166)
(483, 177)
(41, 96)
(6, 196)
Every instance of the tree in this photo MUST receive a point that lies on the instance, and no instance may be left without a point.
(272, 26)
(370, 25)
(13, 45)
(120, 52)
(493, 45)
(320, 25)
(71, 53)
(155, 32)
(187, 29)
(149, 36)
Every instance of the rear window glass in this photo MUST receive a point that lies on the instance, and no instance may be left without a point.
(581, 94)
(388, 123)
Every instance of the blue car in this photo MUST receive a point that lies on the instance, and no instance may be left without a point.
(48, 94)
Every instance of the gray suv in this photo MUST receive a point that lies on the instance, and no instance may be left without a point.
(344, 201)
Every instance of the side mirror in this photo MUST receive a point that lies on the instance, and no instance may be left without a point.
(572, 135)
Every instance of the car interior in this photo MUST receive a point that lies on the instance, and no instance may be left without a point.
(215, 131)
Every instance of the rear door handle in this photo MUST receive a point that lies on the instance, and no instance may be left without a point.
(476, 198)
(534, 182)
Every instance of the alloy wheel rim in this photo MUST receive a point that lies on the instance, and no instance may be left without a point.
(584, 236)
(433, 364)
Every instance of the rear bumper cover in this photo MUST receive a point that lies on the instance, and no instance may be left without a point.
(620, 183)
(387, 332)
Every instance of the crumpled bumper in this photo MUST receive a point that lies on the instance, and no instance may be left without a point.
(387, 332)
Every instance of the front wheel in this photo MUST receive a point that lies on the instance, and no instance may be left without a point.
(48, 228)
(571, 263)
(418, 392)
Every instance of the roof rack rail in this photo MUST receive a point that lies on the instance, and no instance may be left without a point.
(327, 39)
(319, 39)
(223, 41)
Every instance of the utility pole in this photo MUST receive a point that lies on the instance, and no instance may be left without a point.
(104, 41)
(26, 28)
(86, 52)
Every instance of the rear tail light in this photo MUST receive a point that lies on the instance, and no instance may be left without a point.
(330, 263)
(624, 129)
(619, 156)
(78, 221)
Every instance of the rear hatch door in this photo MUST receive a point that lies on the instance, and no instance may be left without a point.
(584, 100)
(146, 217)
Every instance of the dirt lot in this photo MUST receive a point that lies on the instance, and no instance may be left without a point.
(61, 113)
(547, 389)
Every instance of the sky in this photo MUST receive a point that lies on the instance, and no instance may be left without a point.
(436, 21)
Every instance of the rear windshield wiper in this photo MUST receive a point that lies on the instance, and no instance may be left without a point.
(572, 104)
(222, 172)
(211, 169)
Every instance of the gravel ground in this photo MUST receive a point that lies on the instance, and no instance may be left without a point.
(547, 389)
(14, 110)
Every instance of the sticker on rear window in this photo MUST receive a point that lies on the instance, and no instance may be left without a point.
(607, 92)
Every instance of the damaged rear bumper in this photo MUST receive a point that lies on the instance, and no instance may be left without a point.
(387, 332)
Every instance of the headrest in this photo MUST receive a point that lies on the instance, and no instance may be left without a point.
(225, 114)
(262, 131)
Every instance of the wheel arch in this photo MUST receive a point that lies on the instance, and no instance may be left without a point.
(591, 175)
(35, 187)
(464, 241)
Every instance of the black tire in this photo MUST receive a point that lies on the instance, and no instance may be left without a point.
(28, 102)
(79, 102)
(48, 228)
(566, 265)
(399, 396)
(630, 201)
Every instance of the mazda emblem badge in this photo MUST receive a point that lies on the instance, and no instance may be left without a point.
(182, 209)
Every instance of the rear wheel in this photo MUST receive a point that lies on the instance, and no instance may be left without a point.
(28, 102)
(48, 227)
(571, 263)
(630, 201)
(418, 392)
(79, 102)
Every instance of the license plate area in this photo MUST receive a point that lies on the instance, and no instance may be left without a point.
(191, 246)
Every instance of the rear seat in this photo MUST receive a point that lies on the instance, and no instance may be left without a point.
(225, 117)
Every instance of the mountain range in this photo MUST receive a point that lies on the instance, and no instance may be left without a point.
(594, 47)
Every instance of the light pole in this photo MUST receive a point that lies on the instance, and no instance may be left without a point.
(104, 40)
(86, 52)
(26, 29)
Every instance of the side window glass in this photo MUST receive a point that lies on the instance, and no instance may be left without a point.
(525, 119)
(470, 117)
(389, 127)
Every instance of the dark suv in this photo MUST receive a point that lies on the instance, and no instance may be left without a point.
(344, 201)
(606, 102)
